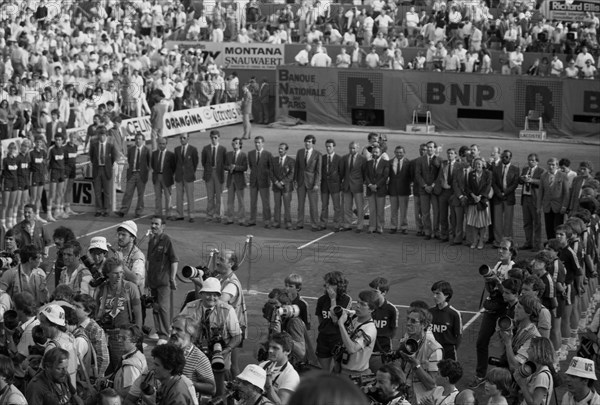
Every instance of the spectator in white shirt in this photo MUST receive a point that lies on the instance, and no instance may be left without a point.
(321, 59)
(368, 24)
(302, 58)
(589, 70)
(582, 57)
(349, 37)
(343, 59)
(571, 71)
(556, 66)
(412, 21)
(332, 35)
(372, 59)
(380, 41)
(515, 61)
(313, 35)
(243, 37)
(384, 21)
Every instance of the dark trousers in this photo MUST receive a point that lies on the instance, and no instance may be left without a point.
(486, 330)
(102, 189)
(552, 220)
(449, 352)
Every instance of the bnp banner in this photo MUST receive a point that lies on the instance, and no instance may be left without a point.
(471, 102)
(232, 55)
(569, 10)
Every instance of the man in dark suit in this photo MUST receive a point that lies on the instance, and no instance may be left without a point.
(260, 161)
(237, 164)
(353, 186)
(213, 162)
(493, 162)
(585, 174)
(376, 175)
(186, 163)
(55, 127)
(553, 197)
(504, 182)
(415, 188)
(263, 98)
(282, 177)
(399, 190)
(331, 182)
(532, 216)
(103, 155)
(308, 179)
(138, 168)
(459, 200)
(163, 171)
(426, 172)
(444, 187)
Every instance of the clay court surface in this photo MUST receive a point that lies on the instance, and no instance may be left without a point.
(410, 263)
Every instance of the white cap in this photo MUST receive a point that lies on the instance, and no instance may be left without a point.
(255, 375)
(211, 285)
(98, 242)
(129, 226)
(582, 367)
(54, 313)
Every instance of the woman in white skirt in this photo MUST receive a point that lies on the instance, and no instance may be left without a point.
(479, 184)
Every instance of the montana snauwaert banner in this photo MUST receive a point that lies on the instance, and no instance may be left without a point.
(466, 101)
(231, 55)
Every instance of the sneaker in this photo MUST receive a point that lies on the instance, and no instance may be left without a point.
(161, 342)
(153, 336)
(572, 346)
(561, 355)
(41, 220)
(477, 381)
(50, 218)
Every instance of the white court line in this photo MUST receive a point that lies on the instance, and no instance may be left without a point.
(316, 240)
(477, 315)
(254, 292)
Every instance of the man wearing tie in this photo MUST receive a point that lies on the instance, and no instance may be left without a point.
(532, 218)
(505, 181)
(55, 127)
(237, 164)
(444, 188)
(376, 176)
(282, 177)
(260, 162)
(331, 182)
(308, 179)
(352, 173)
(213, 162)
(459, 200)
(399, 190)
(186, 163)
(138, 168)
(103, 155)
(426, 172)
(553, 197)
(163, 169)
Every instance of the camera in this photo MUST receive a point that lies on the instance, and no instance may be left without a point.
(407, 347)
(340, 354)
(194, 272)
(6, 262)
(102, 384)
(148, 301)
(98, 277)
(289, 311)
(11, 324)
(485, 271)
(263, 352)
(107, 321)
(147, 384)
(338, 311)
(527, 369)
(505, 323)
(217, 361)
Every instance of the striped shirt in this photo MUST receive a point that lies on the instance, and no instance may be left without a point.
(98, 339)
(197, 366)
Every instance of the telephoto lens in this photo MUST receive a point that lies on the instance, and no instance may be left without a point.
(191, 272)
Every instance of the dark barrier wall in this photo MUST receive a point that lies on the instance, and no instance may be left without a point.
(457, 101)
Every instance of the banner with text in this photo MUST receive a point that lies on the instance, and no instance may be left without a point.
(233, 55)
(569, 11)
(456, 101)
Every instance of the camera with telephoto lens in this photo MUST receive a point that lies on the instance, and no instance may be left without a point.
(496, 349)
(289, 311)
(263, 352)
(195, 272)
(217, 361)
(527, 369)
(505, 323)
(8, 260)
(407, 347)
(98, 277)
(147, 385)
(485, 271)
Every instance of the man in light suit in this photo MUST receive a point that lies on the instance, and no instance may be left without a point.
(426, 172)
(138, 169)
(103, 155)
(260, 161)
(399, 190)
(505, 180)
(308, 180)
(331, 182)
(282, 177)
(444, 187)
(55, 127)
(553, 197)
(353, 177)
(186, 163)
(213, 161)
(237, 164)
(163, 170)
(377, 172)
(532, 218)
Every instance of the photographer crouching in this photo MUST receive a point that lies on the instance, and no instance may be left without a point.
(282, 379)
(358, 335)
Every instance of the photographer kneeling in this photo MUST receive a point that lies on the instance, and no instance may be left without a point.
(358, 336)
(282, 378)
